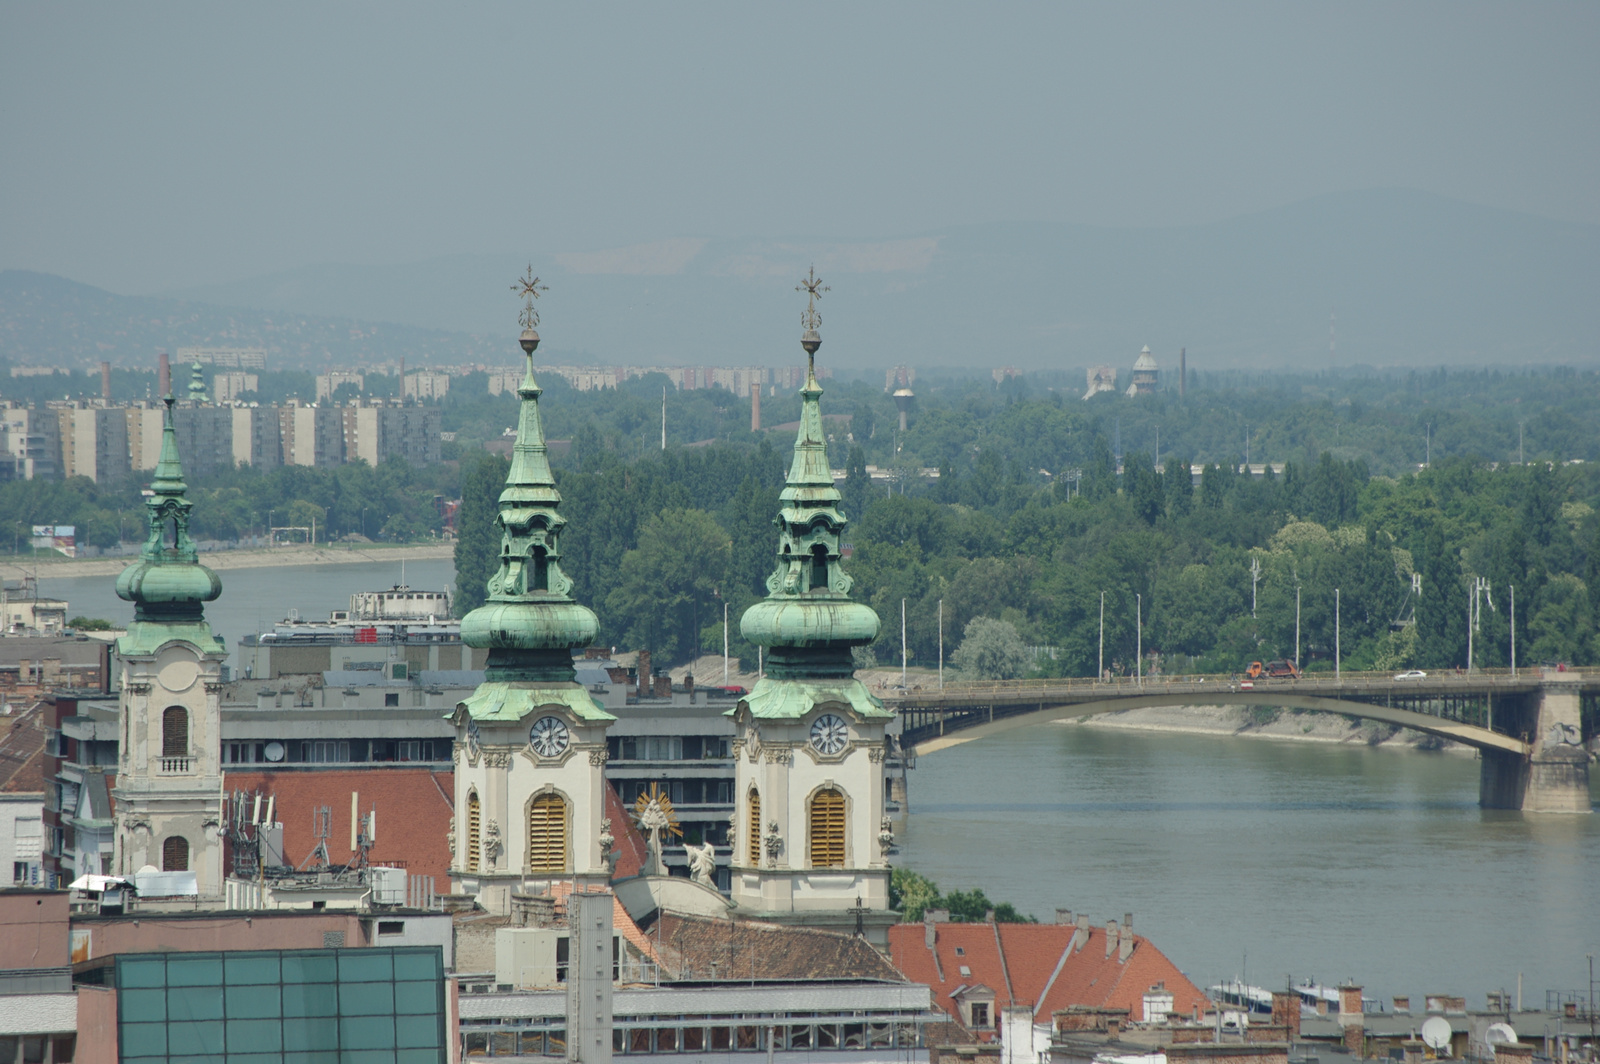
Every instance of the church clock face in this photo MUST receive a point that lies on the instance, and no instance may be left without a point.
(549, 737)
(829, 734)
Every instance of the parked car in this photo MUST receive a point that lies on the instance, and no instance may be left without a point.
(1411, 674)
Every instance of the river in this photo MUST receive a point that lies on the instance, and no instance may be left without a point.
(1236, 856)
(255, 599)
(1268, 859)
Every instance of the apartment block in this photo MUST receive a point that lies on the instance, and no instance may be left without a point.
(328, 383)
(227, 387)
(426, 385)
(311, 435)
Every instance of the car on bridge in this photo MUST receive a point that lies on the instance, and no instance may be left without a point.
(1411, 674)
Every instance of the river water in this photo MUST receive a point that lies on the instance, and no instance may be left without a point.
(1236, 856)
(1268, 859)
(255, 599)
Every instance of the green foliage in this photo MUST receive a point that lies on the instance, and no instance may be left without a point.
(991, 650)
(478, 530)
(668, 584)
(90, 624)
(913, 894)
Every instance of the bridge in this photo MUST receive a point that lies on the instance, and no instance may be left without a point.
(1533, 731)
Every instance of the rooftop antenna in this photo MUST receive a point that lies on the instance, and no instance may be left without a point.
(321, 828)
(663, 417)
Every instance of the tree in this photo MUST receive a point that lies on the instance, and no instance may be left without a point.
(856, 484)
(1143, 487)
(477, 531)
(668, 582)
(991, 650)
(1442, 607)
(1180, 486)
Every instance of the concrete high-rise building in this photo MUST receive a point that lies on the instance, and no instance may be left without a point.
(32, 439)
(425, 385)
(332, 381)
(94, 442)
(311, 435)
(225, 357)
(228, 387)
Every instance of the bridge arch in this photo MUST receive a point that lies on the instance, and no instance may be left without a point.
(968, 725)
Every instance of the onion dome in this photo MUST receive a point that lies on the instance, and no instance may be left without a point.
(530, 622)
(168, 585)
(807, 622)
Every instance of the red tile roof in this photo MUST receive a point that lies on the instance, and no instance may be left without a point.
(414, 806)
(620, 920)
(1033, 965)
(22, 740)
(630, 847)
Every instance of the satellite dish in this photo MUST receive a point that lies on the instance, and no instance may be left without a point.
(1499, 1034)
(274, 751)
(1436, 1033)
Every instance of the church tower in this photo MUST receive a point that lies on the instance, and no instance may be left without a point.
(168, 792)
(810, 840)
(530, 747)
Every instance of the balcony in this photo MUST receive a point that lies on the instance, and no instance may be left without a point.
(177, 766)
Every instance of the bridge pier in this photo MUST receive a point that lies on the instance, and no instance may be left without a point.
(1554, 776)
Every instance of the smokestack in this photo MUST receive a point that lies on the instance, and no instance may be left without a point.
(1183, 372)
(163, 374)
(755, 408)
(105, 381)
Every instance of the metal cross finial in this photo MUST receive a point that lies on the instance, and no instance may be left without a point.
(528, 287)
(813, 287)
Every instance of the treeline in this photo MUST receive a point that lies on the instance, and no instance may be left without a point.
(394, 502)
(1218, 573)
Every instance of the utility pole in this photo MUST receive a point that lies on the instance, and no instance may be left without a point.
(1138, 622)
(1513, 588)
(724, 642)
(941, 644)
(663, 417)
(1101, 675)
(1337, 673)
(1428, 444)
(903, 653)
(1519, 444)
(1297, 628)
(1255, 576)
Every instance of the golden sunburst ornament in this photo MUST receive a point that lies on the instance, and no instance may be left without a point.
(654, 813)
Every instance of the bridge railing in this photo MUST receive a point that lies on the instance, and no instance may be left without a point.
(1386, 680)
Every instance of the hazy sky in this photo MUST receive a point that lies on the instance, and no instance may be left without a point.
(149, 146)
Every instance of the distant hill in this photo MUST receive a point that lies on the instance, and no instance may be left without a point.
(1414, 279)
(49, 320)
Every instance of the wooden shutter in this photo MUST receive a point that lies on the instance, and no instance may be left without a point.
(827, 829)
(474, 832)
(547, 834)
(755, 828)
(175, 732)
(175, 854)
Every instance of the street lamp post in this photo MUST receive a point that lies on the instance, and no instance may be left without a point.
(1297, 628)
(941, 644)
(1513, 588)
(1336, 663)
(1138, 623)
(1101, 674)
(903, 652)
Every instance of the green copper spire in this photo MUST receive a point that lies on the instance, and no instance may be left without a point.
(167, 585)
(197, 384)
(807, 621)
(530, 623)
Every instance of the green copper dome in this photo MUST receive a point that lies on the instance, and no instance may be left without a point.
(807, 621)
(167, 585)
(530, 623)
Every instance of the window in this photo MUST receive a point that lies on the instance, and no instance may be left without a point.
(474, 834)
(547, 834)
(175, 854)
(541, 571)
(391, 927)
(827, 829)
(980, 1014)
(175, 732)
(755, 828)
(819, 568)
(391, 698)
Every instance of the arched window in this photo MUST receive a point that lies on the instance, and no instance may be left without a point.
(175, 732)
(541, 570)
(827, 829)
(819, 567)
(755, 828)
(175, 854)
(474, 831)
(547, 834)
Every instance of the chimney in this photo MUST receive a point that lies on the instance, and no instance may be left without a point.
(1286, 1011)
(1125, 944)
(163, 374)
(1350, 1005)
(930, 928)
(643, 670)
(1081, 935)
(105, 381)
(688, 684)
(755, 408)
(1183, 372)
(1063, 916)
(1127, 922)
(1111, 937)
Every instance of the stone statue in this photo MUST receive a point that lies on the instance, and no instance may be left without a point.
(703, 863)
(608, 852)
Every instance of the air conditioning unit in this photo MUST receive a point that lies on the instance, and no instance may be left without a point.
(388, 885)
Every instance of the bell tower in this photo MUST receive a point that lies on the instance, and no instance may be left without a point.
(530, 747)
(810, 839)
(168, 792)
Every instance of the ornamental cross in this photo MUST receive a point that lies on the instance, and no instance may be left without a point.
(813, 287)
(528, 287)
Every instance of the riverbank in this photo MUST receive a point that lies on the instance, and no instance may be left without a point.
(1282, 725)
(235, 559)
